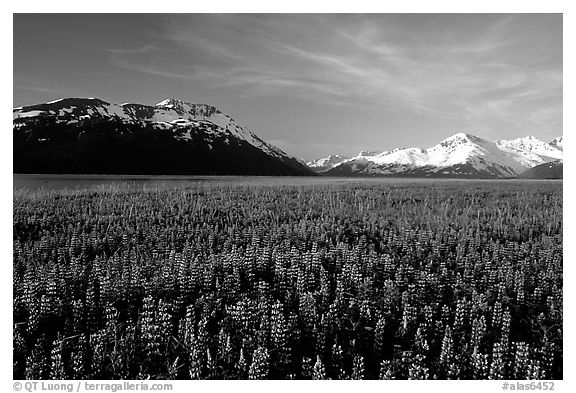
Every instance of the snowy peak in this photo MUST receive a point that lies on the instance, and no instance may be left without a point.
(334, 158)
(527, 142)
(184, 108)
(67, 109)
(456, 149)
(460, 139)
(326, 163)
(169, 103)
(167, 110)
(462, 154)
(81, 104)
(557, 143)
(533, 145)
(195, 124)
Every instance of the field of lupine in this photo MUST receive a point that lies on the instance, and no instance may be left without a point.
(447, 280)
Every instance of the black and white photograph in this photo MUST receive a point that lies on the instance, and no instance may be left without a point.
(287, 196)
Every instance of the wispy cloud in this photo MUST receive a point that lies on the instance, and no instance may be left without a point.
(38, 89)
(460, 71)
(144, 49)
(324, 82)
(48, 92)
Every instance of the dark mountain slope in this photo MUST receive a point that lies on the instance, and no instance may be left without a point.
(548, 170)
(172, 138)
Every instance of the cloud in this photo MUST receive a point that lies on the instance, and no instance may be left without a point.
(442, 67)
(47, 92)
(38, 89)
(144, 49)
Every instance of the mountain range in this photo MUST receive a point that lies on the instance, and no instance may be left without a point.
(174, 137)
(461, 155)
(89, 135)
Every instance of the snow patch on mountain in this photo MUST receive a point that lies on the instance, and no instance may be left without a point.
(461, 154)
(532, 145)
(33, 113)
(558, 142)
(326, 163)
(172, 110)
(55, 101)
(168, 114)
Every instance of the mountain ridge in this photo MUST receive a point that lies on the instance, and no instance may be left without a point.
(459, 155)
(548, 170)
(90, 135)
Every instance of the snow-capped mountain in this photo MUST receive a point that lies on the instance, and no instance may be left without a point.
(558, 142)
(530, 151)
(326, 163)
(89, 135)
(461, 155)
(322, 165)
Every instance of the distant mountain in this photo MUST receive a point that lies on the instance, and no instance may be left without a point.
(461, 155)
(558, 142)
(89, 135)
(530, 151)
(324, 164)
(549, 170)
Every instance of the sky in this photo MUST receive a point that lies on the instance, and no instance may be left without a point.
(312, 84)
